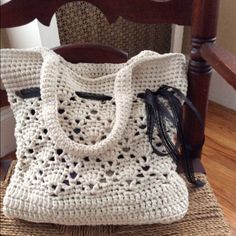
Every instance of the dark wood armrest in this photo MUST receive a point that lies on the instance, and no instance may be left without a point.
(221, 60)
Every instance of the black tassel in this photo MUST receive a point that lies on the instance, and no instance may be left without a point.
(164, 106)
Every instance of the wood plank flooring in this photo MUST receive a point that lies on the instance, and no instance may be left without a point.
(219, 159)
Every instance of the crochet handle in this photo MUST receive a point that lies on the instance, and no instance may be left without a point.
(52, 67)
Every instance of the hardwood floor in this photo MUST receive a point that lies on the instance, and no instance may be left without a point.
(219, 159)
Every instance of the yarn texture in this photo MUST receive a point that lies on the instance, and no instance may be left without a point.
(85, 161)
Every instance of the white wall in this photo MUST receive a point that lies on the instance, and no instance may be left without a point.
(221, 92)
(26, 36)
(34, 34)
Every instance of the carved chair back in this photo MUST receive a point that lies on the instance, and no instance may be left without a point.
(201, 15)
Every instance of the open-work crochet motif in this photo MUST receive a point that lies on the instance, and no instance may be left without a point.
(87, 161)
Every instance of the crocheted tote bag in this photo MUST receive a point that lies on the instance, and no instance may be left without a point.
(92, 148)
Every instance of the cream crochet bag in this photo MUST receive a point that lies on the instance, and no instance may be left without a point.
(84, 156)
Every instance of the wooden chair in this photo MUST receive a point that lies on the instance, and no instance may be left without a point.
(201, 15)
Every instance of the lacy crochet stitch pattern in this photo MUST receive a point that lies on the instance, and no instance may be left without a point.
(84, 161)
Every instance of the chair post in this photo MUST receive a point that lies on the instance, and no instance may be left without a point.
(204, 28)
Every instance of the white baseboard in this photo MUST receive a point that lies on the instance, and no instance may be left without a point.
(8, 142)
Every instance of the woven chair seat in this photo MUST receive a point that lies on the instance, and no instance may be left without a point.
(204, 217)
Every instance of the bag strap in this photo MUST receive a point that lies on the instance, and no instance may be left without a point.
(53, 65)
(123, 94)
